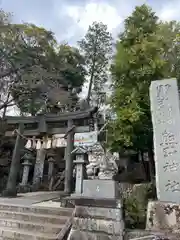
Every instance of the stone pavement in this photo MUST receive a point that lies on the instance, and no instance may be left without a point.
(31, 198)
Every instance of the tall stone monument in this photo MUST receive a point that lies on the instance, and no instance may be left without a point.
(166, 129)
(164, 214)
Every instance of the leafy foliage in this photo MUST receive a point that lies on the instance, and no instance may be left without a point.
(35, 67)
(135, 205)
(170, 34)
(143, 54)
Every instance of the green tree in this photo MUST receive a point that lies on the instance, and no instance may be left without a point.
(21, 48)
(170, 35)
(35, 67)
(49, 81)
(96, 47)
(141, 57)
(5, 99)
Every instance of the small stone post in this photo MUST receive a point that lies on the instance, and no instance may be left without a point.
(27, 163)
(51, 162)
(80, 162)
(39, 166)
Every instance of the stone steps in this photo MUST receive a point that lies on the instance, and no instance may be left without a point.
(23, 222)
(7, 233)
(41, 210)
(31, 226)
(33, 217)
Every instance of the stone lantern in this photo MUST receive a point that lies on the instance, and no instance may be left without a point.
(28, 158)
(51, 162)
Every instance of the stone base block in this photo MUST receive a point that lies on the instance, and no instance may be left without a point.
(9, 193)
(139, 235)
(100, 189)
(96, 219)
(80, 235)
(163, 216)
(24, 188)
(79, 200)
(90, 212)
(106, 226)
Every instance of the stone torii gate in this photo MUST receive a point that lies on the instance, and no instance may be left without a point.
(67, 123)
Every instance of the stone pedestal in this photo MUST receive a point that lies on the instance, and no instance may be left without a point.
(163, 216)
(97, 219)
(98, 212)
(100, 189)
(26, 169)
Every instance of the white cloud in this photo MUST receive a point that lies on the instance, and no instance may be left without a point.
(170, 11)
(83, 16)
(86, 15)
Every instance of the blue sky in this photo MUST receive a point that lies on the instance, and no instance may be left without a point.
(69, 19)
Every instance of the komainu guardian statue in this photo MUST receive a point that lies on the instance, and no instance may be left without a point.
(102, 163)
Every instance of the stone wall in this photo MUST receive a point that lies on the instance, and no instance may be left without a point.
(125, 189)
(163, 216)
(135, 197)
(128, 189)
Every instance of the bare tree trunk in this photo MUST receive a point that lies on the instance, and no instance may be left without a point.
(6, 106)
(90, 84)
(89, 90)
(151, 164)
(145, 167)
(92, 73)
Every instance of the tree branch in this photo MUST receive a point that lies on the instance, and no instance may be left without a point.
(7, 105)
